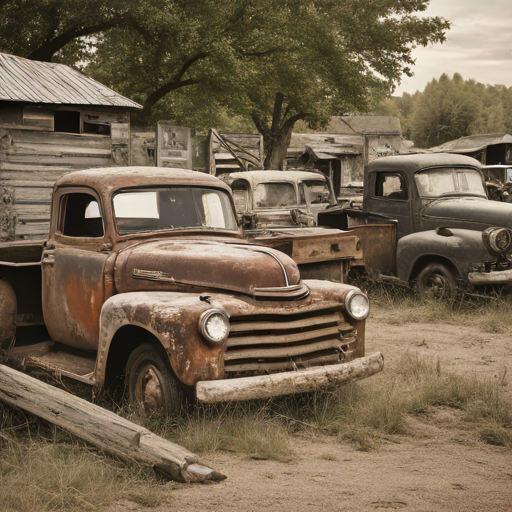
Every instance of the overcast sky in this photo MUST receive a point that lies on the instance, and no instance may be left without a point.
(479, 44)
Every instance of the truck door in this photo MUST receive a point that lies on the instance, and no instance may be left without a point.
(390, 195)
(72, 266)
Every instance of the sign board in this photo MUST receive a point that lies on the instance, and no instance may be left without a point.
(174, 146)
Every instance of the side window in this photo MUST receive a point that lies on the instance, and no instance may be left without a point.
(240, 190)
(80, 216)
(390, 185)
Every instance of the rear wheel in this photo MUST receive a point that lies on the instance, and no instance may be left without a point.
(151, 381)
(436, 281)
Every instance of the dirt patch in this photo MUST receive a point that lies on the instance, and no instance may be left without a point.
(442, 466)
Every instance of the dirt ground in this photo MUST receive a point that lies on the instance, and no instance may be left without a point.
(441, 467)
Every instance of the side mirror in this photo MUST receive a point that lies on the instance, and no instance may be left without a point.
(249, 221)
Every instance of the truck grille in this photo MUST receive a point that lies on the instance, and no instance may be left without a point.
(269, 343)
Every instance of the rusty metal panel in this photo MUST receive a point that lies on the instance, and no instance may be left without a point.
(378, 243)
(272, 343)
(73, 294)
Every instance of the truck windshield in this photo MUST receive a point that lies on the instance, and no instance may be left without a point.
(173, 208)
(317, 192)
(449, 180)
(275, 195)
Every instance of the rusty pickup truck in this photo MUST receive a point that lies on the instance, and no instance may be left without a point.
(146, 278)
(285, 210)
(450, 236)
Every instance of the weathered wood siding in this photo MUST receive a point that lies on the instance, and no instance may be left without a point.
(30, 163)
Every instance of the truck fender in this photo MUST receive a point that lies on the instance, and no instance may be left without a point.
(8, 311)
(458, 249)
(172, 319)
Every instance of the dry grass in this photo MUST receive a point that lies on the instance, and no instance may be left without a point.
(248, 429)
(45, 470)
(493, 313)
(380, 406)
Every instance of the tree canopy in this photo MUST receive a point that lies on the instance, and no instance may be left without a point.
(450, 108)
(270, 62)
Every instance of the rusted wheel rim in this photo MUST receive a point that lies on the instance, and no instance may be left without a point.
(148, 388)
(438, 286)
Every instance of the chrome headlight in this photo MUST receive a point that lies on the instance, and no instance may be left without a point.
(357, 305)
(214, 325)
(497, 241)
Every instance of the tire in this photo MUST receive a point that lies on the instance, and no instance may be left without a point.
(151, 382)
(436, 281)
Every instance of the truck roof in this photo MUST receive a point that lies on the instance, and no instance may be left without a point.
(266, 176)
(415, 162)
(113, 178)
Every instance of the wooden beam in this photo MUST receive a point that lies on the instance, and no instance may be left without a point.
(102, 428)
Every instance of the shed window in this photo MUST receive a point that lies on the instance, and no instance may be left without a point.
(67, 121)
(391, 186)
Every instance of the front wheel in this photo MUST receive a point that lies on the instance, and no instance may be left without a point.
(436, 281)
(151, 381)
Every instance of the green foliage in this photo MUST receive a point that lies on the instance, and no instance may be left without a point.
(450, 108)
(54, 29)
(266, 61)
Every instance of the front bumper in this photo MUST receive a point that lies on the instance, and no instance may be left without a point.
(493, 277)
(287, 383)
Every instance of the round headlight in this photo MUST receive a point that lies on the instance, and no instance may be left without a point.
(502, 239)
(214, 325)
(497, 241)
(357, 305)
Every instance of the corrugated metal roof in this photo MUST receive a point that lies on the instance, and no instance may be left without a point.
(365, 124)
(472, 143)
(46, 82)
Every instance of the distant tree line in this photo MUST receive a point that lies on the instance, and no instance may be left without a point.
(450, 108)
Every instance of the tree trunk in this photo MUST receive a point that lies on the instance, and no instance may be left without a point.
(278, 146)
(102, 428)
(277, 139)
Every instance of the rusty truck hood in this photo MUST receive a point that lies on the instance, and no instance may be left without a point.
(469, 211)
(193, 265)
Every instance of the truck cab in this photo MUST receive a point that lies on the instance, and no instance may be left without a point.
(424, 191)
(446, 224)
(146, 277)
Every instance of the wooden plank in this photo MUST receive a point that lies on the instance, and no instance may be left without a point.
(33, 230)
(28, 148)
(78, 160)
(102, 428)
(19, 134)
(13, 170)
(287, 383)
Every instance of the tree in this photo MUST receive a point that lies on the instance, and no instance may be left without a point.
(40, 29)
(270, 61)
(274, 62)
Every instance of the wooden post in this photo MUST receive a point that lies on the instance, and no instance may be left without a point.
(102, 428)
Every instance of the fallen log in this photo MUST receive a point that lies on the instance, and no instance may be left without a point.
(102, 428)
(286, 383)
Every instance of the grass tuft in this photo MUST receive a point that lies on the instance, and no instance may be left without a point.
(45, 470)
(249, 429)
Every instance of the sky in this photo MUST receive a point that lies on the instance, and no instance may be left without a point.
(478, 45)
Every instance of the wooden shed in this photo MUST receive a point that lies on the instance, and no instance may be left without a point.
(53, 120)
